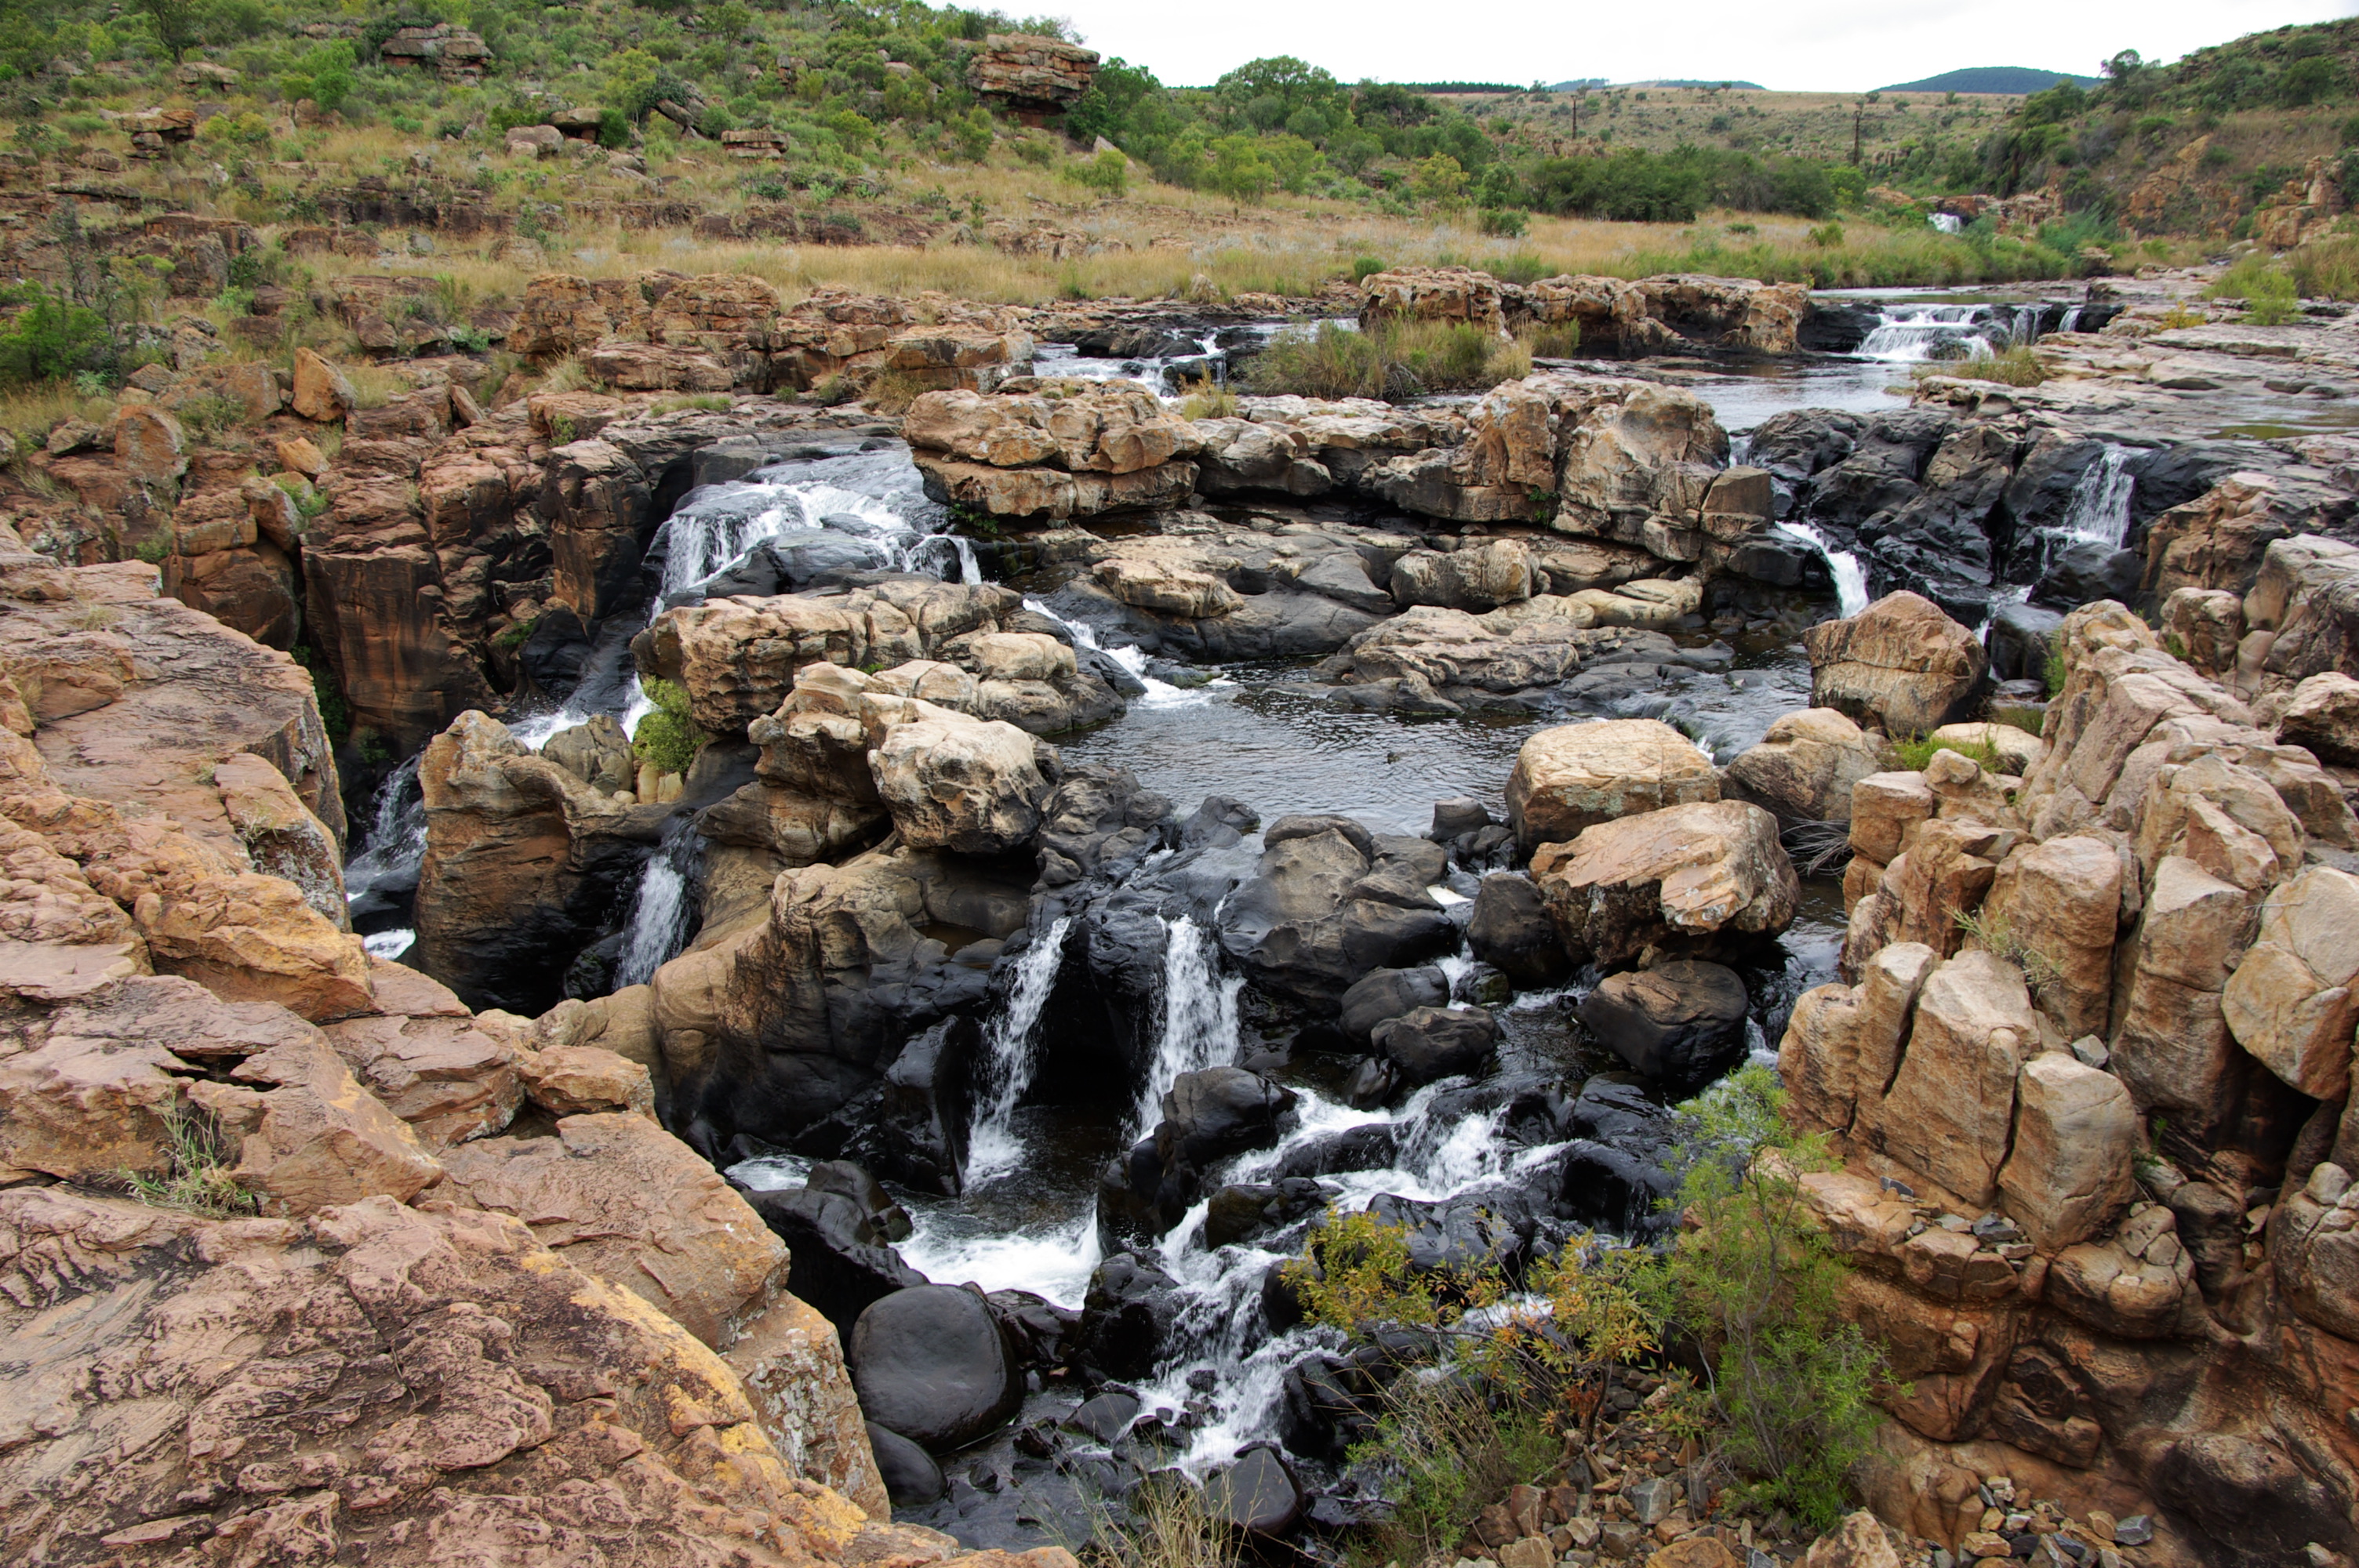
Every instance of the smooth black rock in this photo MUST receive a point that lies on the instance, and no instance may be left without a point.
(1513, 932)
(2019, 638)
(1678, 1022)
(839, 1264)
(1127, 1316)
(2088, 570)
(845, 1178)
(931, 1364)
(1374, 1147)
(1257, 1495)
(1243, 1212)
(1106, 1417)
(1433, 1042)
(1383, 994)
(1371, 1083)
(1488, 1228)
(1220, 1111)
(911, 1477)
(1459, 814)
(1039, 1331)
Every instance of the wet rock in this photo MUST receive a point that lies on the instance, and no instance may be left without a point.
(911, 1477)
(1330, 901)
(839, 1264)
(1040, 1333)
(1257, 1495)
(1127, 1316)
(888, 1219)
(1488, 1228)
(1513, 932)
(1430, 1042)
(2086, 571)
(1678, 1022)
(1244, 1212)
(929, 1363)
(921, 1132)
(1106, 1417)
(1374, 1147)
(1371, 1083)
(1389, 994)
(2020, 638)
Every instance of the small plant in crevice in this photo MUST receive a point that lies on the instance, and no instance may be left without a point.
(197, 1179)
(1996, 935)
(1913, 752)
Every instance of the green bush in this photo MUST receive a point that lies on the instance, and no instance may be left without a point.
(1914, 751)
(1504, 222)
(1107, 173)
(667, 737)
(51, 338)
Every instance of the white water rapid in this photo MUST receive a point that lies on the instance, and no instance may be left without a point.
(1851, 578)
(1011, 1056)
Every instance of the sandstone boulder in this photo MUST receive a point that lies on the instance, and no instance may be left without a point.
(2288, 1002)
(321, 393)
(1686, 878)
(952, 783)
(2322, 715)
(1805, 767)
(1901, 664)
(1951, 1109)
(2075, 1134)
(1577, 775)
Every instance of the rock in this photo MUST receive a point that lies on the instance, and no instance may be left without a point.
(1257, 1495)
(1383, 994)
(2324, 717)
(840, 1264)
(574, 1080)
(956, 784)
(321, 393)
(2069, 1173)
(1689, 1552)
(1859, 1541)
(1245, 1211)
(791, 1365)
(448, 1080)
(150, 445)
(311, 1139)
(1901, 664)
(1678, 1022)
(1031, 70)
(1950, 1110)
(2288, 1002)
(494, 1336)
(1127, 1313)
(911, 1477)
(1430, 1042)
(1804, 768)
(2019, 639)
(623, 1200)
(1576, 775)
(1688, 877)
(2315, 1243)
(1329, 903)
(2086, 571)
(931, 1364)
(1512, 931)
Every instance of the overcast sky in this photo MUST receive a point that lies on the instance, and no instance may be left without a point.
(1843, 46)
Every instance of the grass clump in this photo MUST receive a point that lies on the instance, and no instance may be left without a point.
(1996, 933)
(1205, 398)
(2271, 294)
(1167, 1527)
(197, 1178)
(2012, 366)
(667, 737)
(1911, 753)
(1393, 361)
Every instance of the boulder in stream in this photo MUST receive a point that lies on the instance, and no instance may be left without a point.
(931, 1364)
(1678, 1022)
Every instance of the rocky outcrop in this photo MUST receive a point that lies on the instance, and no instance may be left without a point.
(1069, 449)
(1330, 901)
(1030, 71)
(1645, 316)
(524, 862)
(1804, 768)
(2089, 1015)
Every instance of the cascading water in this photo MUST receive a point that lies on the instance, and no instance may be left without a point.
(1851, 578)
(1200, 1015)
(1947, 222)
(1159, 693)
(1010, 1056)
(663, 915)
(1913, 332)
(2100, 507)
(379, 880)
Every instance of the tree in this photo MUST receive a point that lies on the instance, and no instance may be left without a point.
(1280, 81)
(178, 24)
(1238, 170)
(1440, 180)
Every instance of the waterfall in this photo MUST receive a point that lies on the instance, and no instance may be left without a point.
(2100, 507)
(2071, 322)
(663, 915)
(1009, 1057)
(2025, 326)
(1200, 1016)
(1159, 693)
(1913, 332)
(386, 867)
(1947, 222)
(1851, 578)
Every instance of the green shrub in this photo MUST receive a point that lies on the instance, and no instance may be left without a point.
(2014, 366)
(1107, 173)
(2055, 672)
(1554, 340)
(1505, 223)
(667, 737)
(51, 338)
(1391, 359)
(335, 713)
(1366, 267)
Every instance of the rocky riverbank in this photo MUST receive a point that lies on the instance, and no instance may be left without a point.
(902, 941)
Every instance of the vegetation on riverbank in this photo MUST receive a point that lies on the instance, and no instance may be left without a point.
(1734, 1327)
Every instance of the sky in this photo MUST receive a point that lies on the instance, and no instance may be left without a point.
(1836, 46)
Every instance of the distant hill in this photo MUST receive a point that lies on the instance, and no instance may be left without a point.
(1587, 81)
(2016, 78)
